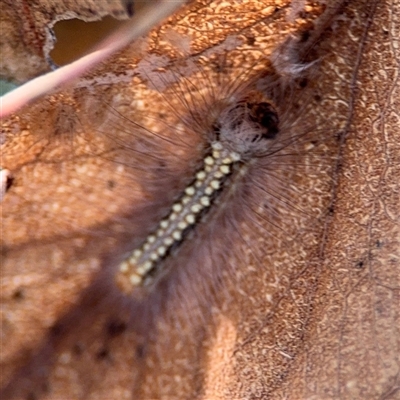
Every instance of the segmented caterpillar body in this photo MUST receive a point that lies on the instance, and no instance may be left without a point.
(242, 130)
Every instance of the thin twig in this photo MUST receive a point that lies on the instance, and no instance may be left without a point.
(138, 26)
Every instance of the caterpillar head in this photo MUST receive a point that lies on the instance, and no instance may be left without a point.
(247, 127)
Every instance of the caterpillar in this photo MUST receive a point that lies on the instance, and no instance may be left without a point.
(239, 132)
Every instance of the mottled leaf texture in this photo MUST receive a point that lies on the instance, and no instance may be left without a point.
(305, 300)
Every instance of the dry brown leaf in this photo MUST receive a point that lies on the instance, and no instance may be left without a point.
(321, 321)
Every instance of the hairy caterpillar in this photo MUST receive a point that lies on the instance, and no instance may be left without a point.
(239, 132)
(266, 205)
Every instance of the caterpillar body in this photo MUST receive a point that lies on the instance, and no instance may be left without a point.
(242, 130)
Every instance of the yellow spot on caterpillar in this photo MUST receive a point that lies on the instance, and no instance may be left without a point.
(162, 250)
(190, 219)
(215, 184)
(227, 160)
(205, 201)
(190, 191)
(177, 235)
(182, 225)
(135, 280)
(224, 169)
(208, 190)
(153, 256)
(186, 200)
(124, 267)
(200, 176)
(168, 241)
(196, 208)
(160, 232)
(172, 217)
(144, 268)
(216, 154)
(177, 207)
(164, 224)
(209, 161)
(137, 253)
